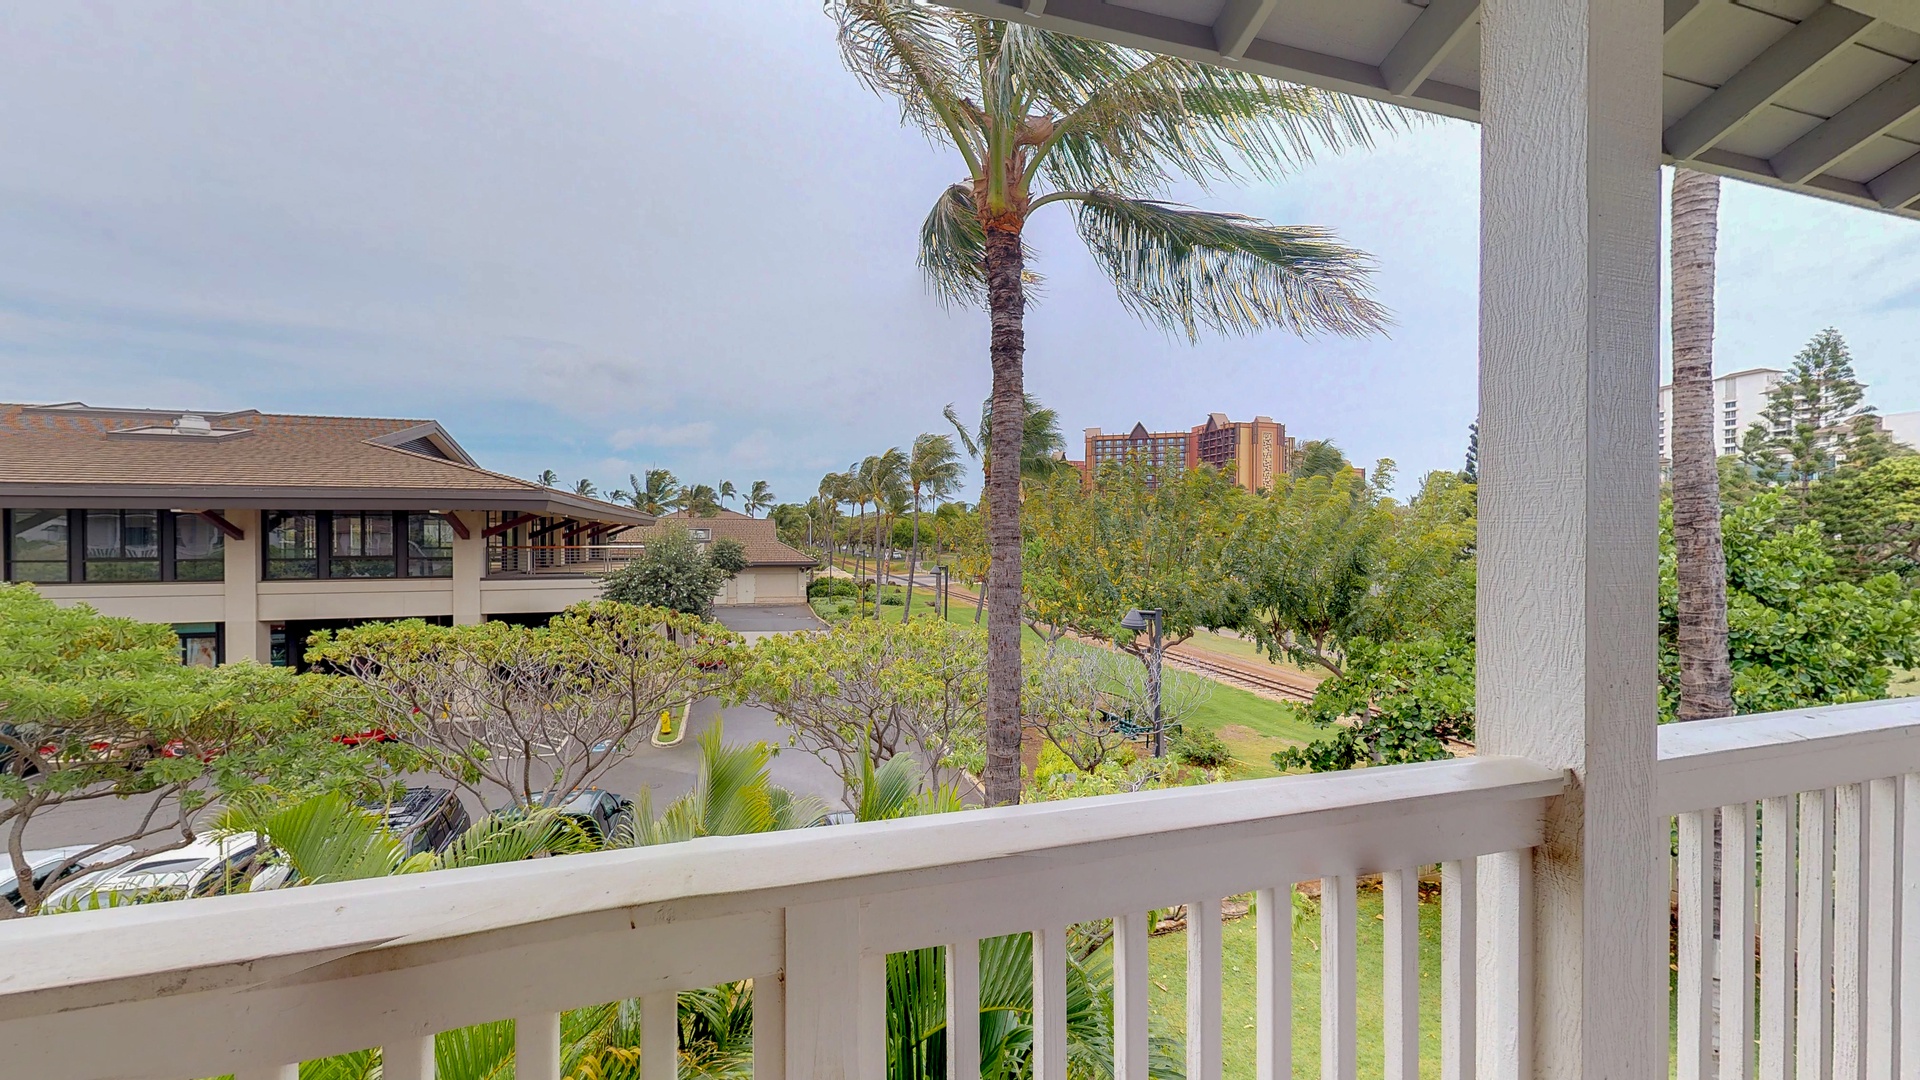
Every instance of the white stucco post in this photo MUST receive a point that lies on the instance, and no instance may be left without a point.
(247, 638)
(469, 567)
(1569, 360)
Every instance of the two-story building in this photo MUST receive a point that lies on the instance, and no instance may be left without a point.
(246, 531)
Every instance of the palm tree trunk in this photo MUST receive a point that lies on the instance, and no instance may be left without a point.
(1007, 303)
(1706, 680)
(913, 560)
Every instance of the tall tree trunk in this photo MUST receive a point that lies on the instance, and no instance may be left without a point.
(1706, 679)
(913, 562)
(1007, 303)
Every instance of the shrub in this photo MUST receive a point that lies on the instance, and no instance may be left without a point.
(1200, 748)
(830, 586)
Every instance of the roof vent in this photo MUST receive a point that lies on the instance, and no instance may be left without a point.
(192, 424)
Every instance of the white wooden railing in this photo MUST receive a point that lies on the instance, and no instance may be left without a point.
(248, 984)
(1818, 893)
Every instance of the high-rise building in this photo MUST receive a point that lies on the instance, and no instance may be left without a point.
(1738, 399)
(1254, 453)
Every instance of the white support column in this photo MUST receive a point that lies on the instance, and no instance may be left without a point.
(1569, 327)
(246, 636)
(469, 566)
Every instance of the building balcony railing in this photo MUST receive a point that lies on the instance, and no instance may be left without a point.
(530, 559)
(249, 984)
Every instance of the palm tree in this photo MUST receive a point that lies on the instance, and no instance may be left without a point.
(759, 497)
(727, 491)
(933, 471)
(1700, 565)
(733, 794)
(700, 500)
(658, 494)
(1040, 119)
(585, 487)
(878, 478)
(833, 492)
(1041, 442)
(1319, 457)
(549, 478)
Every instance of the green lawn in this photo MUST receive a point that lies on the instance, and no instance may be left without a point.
(1167, 967)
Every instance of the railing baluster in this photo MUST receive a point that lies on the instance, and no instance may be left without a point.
(870, 1003)
(769, 1027)
(1910, 926)
(536, 1047)
(1457, 977)
(1883, 912)
(1813, 945)
(1129, 997)
(1400, 973)
(1273, 1009)
(1339, 1047)
(1695, 989)
(660, 1036)
(1203, 990)
(1736, 942)
(823, 976)
(1503, 1018)
(1849, 932)
(409, 1060)
(1050, 1003)
(963, 1008)
(1777, 894)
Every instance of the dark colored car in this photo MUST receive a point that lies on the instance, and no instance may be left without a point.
(427, 818)
(601, 813)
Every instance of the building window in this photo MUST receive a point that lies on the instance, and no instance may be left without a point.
(37, 545)
(123, 545)
(199, 549)
(362, 545)
(199, 644)
(293, 544)
(429, 546)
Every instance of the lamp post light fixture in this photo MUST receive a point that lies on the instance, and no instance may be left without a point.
(1137, 620)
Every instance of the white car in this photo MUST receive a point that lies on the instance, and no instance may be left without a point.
(209, 866)
(51, 866)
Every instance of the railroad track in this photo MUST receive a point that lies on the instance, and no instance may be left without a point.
(1243, 676)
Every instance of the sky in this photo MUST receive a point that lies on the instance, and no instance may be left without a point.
(600, 237)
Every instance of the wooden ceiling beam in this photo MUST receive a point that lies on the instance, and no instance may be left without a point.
(1239, 23)
(1879, 109)
(1435, 34)
(1820, 35)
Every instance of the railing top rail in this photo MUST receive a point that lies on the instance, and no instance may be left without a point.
(88, 959)
(1736, 759)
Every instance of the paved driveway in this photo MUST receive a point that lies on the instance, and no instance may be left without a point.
(758, 620)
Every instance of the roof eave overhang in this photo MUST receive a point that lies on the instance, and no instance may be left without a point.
(233, 497)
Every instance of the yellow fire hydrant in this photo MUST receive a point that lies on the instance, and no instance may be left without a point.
(666, 723)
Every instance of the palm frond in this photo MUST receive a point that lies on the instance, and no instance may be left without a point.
(513, 836)
(906, 50)
(953, 249)
(1167, 116)
(1185, 268)
(328, 838)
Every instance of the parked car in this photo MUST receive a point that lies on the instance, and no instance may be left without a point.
(210, 866)
(42, 865)
(601, 813)
(427, 818)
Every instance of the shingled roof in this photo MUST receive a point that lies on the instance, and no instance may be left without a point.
(757, 535)
(75, 455)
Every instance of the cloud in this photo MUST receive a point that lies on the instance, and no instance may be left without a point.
(692, 433)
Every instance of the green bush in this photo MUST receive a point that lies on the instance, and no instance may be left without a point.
(1200, 749)
(831, 586)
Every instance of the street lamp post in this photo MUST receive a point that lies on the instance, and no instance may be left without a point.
(1136, 621)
